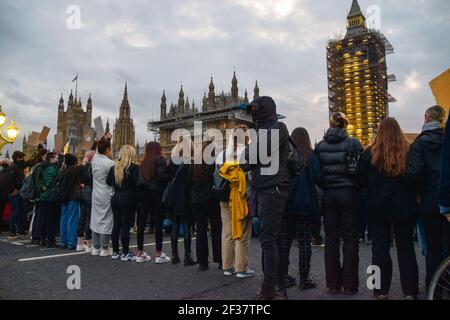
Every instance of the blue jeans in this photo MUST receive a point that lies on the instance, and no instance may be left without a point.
(70, 217)
(17, 218)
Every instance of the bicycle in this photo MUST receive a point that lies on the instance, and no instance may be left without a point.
(440, 284)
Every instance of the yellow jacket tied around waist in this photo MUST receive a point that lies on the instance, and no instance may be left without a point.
(233, 173)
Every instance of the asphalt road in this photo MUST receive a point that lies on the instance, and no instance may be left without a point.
(42, 275)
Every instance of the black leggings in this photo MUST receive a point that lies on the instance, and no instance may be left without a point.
(150, 203)
(123, 207)
(208, 212)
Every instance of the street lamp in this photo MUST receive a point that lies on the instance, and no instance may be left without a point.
(12, 131)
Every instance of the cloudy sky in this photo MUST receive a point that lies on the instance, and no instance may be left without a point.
(160, 44)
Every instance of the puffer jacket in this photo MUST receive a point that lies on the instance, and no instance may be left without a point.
(332, 152)
(424, 167)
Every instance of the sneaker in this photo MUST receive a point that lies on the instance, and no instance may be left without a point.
(89, 249)
(381, 297)
(144, 257)
(229, 272)
(115, 255)
(289, 281)
(128, 257)
(162, 258)
(13, 236)
(246, 274)
(95, 252)
(411, 298)
(104, 253)
(81, 248)
(318, 243)
(306, 284)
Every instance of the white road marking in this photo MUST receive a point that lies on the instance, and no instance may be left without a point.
(80, 253)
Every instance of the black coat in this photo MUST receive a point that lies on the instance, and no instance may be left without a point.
(387, 197)
(424, 167)
(129, 183)
(266, 121)
(182, 202)
(303, 198)
(12, 179)
(332, 152)
(71, 189)
(159, 183)
(444, 190)
(200, 191)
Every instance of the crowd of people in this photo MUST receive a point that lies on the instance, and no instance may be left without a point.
(401, 189)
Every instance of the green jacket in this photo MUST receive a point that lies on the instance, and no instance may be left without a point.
(50, 174)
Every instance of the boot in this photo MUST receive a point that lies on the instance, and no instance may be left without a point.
(306, 283)
(189, 261)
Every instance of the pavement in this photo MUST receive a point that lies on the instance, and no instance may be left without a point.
(32, 272)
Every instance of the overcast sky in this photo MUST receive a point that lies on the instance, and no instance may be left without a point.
(156, 45)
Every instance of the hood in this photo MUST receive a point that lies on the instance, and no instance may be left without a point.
(335, 135)
(266, 110)
(433, 138)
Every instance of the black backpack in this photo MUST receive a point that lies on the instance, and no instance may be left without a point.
(221, 187)
(295, 161)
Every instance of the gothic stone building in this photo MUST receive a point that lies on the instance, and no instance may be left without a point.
(218, 111)
(75, 125)
(124, 128)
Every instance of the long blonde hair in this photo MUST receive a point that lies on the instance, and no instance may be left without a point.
(126, 156)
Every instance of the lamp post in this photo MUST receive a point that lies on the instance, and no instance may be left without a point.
(11, 131)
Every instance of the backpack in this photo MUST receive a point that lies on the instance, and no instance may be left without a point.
(58, 190)
(295, 161)
(353, 157)
(32, 183)
(221, 187)
(167, 197)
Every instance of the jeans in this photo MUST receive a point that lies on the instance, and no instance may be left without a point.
(271, 206)
(403, 232)
(208, 212)
(48, 220)
(341, 217)
(437, 233)
(100, 240)
(150, 204)
(299, 229)
(176, 221)
(17, 218)
(123, 207)
(70, 217)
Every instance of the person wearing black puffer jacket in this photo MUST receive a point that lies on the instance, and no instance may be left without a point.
(340, 205)
(422, 174)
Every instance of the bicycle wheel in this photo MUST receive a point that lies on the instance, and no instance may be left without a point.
(440, 285)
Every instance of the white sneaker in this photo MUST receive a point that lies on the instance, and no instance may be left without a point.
(116, 255)
(162, 258)
(144, 257)
(81, 248)
(128, 257)
(95, 252)
(104, 253)
(89, 249)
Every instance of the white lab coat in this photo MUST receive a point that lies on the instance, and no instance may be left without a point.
(101, 213)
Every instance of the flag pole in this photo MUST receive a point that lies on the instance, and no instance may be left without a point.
(76, 86)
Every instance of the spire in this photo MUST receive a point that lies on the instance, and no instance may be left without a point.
(181, 100)
(125, 105)
(234, 88)
(245, 96)
(107, 130)
(89, 101)
(356, 22)
(71, 96)
(211, 96)
(256, 91)
(187, 106)
(163, 107)
(61, 100)
(355, 10)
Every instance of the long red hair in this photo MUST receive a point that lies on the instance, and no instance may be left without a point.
(152, 154)
(390, 148)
